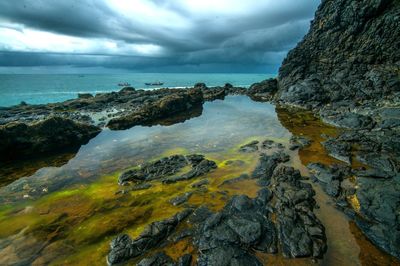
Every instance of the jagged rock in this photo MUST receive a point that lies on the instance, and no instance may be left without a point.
(234, 180)
(340, 57)
(124, 248)
(267, 164)
(168, 166)
(328, 177)
(264, 90)
(250, 147)
(166, 106)
(185, 260)
(181, 198)
(300, 232)
(200, 169)
(298, 142)
(338, 149)
(200, 183)
(55, 133)
(380, 212)
(159, 259)
(214, 94)
(154, 170)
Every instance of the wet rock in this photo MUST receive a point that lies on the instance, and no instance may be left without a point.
(350, 121)
(199, 169)
(380, 212)
(212, 94)
(154, 170)
(235, 180)
(267, 164)
(298, 142)
(328, 177)
(263, 91)
(166, 106)
(185, 260)
(20, 140)
(181, 198)
(338, 149)
(159, 259)
(270, 144)
(200, 183)
(333, 53)
(226, 237)
(250, 147)
(300, 232)
(124, 248)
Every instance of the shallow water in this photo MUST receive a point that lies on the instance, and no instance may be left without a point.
(68, 215)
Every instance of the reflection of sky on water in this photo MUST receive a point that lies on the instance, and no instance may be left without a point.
(222, 126)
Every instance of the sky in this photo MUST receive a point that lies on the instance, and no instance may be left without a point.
(239, 36)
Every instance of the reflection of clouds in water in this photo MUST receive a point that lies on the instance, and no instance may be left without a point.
(223, 125)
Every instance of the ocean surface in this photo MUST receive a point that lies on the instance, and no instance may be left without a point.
(37, 89)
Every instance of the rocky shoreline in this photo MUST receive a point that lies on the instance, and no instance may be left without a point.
(346, 71)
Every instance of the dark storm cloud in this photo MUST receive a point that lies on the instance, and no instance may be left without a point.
(175, 33)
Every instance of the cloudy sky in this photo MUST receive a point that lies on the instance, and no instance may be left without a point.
(150, 35)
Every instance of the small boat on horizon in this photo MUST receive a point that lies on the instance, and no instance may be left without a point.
(126, 84)
(158, 83)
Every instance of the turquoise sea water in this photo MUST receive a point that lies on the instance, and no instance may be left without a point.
(36, 89)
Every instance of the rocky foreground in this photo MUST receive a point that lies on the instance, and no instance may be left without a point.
(346, 69)
(279, 220)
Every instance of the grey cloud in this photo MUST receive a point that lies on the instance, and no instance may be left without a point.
(257, 40)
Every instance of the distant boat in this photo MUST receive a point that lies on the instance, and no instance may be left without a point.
(154, 83)
(126, 84)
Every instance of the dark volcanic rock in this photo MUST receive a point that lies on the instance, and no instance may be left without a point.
(380, 212)
(298, 142)
(155, 170)
(124, 248)
(199, 169)
(166, 106)
(338, 149)
(264, 90)
(159, 259)
(328, 177)
(53, 134)
(342, 55)
(250, 147)
(300, 232)
(181, 198)
(168, 166)
(211, 94)
(266, 166)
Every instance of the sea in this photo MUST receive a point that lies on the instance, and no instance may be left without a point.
(43, 88)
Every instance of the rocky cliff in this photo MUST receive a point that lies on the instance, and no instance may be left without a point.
(350, 55)
(347, 68)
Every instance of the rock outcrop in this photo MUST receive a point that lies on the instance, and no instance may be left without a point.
(19, 139)
(350, 53)
(166, 106)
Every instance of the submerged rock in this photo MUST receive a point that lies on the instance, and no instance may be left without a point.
(124, 248)
(250, 147)
(166, 167)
